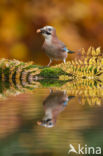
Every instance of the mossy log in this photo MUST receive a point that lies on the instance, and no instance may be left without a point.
(90, 66)
(77, 78)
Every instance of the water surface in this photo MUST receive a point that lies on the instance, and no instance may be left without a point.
(45, 121)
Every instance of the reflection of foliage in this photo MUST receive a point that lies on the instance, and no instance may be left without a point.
(90, 91)
(10, 89)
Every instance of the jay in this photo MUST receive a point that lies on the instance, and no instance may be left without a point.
(54, 104)
(53, 47)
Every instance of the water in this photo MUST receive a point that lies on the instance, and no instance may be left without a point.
(45, 121)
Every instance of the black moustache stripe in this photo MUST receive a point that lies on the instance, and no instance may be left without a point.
(48, 33)
(45, 32)
(48, 120)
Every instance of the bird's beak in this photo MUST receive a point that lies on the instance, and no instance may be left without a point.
(38, 31)
(39, 123)
(41, 30)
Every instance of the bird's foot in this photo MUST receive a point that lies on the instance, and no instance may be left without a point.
(64, 61)
(49, 62)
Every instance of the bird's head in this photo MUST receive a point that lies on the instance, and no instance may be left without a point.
(47, 32)
(49, 123)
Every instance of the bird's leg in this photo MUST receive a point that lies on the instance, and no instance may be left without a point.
(51, 90)
(64, 61)
(49, 62)
(64, 91)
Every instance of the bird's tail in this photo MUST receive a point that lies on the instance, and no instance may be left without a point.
(70, 97)
(71, 52)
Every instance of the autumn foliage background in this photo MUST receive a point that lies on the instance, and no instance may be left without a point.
(79, 24)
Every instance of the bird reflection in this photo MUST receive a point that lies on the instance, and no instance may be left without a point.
(53, 105)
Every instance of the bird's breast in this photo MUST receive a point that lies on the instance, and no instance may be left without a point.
(53, 52)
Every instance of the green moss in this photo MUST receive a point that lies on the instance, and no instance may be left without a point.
(31, 66)
(52, 72)
(6, 72)
(52, 82)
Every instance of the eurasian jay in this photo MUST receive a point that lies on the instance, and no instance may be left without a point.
(53, 105)
(53, 47)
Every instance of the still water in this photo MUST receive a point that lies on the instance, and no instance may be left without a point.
(45, 121)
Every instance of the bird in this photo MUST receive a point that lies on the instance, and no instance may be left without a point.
(54, 104)
(53, 47)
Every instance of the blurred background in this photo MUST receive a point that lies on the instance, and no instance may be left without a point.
(79, 24)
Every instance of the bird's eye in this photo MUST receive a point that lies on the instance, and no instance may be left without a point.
(49, 29)
(50, 123)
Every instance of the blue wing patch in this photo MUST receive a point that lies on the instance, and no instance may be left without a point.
(65, 49)
(68, 51)
(65, 103)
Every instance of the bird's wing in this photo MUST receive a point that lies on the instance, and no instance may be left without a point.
(60, 45)
(65, 49)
